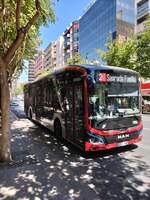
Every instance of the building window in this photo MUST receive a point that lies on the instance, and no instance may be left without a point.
(142, 19)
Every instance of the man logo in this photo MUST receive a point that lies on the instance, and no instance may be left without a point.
(123, 136)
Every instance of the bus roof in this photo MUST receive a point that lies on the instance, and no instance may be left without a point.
(89, 67)
(96, 67)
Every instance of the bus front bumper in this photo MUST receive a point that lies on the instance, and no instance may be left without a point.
(101, 147)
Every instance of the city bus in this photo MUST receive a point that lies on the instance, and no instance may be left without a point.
(93, 107)
(145, 88)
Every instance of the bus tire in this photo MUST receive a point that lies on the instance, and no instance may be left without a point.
(58, 129)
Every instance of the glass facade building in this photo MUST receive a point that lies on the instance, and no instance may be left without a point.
(105, 19)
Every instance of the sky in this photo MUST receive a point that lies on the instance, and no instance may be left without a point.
(66, 11)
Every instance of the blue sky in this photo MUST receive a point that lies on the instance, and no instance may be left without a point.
(66, 12)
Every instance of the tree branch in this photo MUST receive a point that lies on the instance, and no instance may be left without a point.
(18, 57)
(13, 47)
(18, 11)
(22, 34)
(35, 17)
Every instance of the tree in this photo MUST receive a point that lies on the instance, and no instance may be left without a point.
(19, 26)
(143, 51)
(76, 59)
(133, 53)
(120, 53)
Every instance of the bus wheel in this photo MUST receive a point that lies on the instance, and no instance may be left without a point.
(58, 129)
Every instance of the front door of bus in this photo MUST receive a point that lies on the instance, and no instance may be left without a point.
(75, 113)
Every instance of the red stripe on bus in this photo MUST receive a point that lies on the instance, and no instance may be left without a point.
(84, 72)
(108, 133)
(86, 104)
(96, 147)
(76, 68)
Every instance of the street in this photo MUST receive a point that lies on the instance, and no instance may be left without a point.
(46, 168)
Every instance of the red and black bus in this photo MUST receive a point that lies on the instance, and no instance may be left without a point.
(93, 107)
(145, 88)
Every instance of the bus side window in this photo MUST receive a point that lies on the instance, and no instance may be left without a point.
(64, 100)
(54, 97)
(55, 101)
(50, 100)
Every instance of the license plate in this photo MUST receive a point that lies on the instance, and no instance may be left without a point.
(121, 144)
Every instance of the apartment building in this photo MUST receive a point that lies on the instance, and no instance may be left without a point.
(50, 56)
(142, 10)
(39, 62)
(60, 52)
(47, 56)
(71, 40)
(31, 71)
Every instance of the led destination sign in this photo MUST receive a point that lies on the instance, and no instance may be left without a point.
(104, 77)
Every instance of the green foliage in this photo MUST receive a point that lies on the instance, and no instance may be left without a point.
(76, 59)
(120, 53)
(133, 53)
(17, 90)
(9, 31)
(143, 52)
(43, 72)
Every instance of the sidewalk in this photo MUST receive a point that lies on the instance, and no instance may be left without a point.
(39, 169)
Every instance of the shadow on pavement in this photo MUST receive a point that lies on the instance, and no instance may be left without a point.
(46, 168)
(19, 113)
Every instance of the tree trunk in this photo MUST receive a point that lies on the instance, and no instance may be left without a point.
(5, 153)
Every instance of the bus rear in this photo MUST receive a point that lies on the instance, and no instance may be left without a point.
(113, 109)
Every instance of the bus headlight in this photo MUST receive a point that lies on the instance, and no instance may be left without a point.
(95, 139)
(135, 122)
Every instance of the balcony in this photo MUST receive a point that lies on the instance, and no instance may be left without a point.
(142, 13)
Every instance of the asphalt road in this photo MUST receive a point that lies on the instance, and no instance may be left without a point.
(57, 170)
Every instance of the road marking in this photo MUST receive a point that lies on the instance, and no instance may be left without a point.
(147, 129)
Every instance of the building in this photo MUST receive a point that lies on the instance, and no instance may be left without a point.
(104, 20)
(39, 62)
(47, 57)
(31, 71)
(53, 54)
(71, 40)
(60, 52)
(142, 8)
(50, 56)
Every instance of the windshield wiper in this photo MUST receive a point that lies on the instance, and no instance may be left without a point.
(100, 122)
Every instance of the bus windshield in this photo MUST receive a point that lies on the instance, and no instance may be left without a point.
(112, 100)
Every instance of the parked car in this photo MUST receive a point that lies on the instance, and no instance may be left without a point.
(13, 103)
